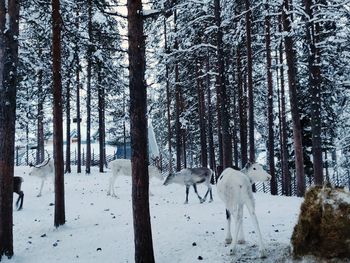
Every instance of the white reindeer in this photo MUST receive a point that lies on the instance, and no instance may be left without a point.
(235, 190)
(192, 176)
(42, 171)
(123, 167)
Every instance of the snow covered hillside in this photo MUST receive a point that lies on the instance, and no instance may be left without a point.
(99, 228)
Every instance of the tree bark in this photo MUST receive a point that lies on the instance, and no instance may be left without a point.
(223, 107)
(68, 122)
(211, 151)
(138, 130)
(40, 152)
(292, 84)
(315, 85)
(88, 91)
(60, 217)
(250, 82)
(8, 82)
(201, 115)
(242, 102)
(285, 155)
(168, 100)
(101, 122)
(78, 120)
(177, 103)
(270, 115)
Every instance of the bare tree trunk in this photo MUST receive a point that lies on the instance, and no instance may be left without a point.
(40, 132)
(242, 102)
(8, 82)
(88, 91)
(235, 130)
(138, 129)
(184, 146)
(60, 217)
(177, 104)
(168, 100)
(211, 151)
(101, 122)
(68, 137)
(315, 84)
(285, 155)
(297, 131)
(219, 123)
(225, 118)
(270, 115)
(202, 122)
(78, 120)
(250, 82)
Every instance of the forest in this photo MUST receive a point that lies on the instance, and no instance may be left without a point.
(224, 83)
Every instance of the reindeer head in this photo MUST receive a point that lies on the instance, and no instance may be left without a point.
(256, 172)
(169, 179)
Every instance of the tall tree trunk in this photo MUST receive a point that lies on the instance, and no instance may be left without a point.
(285, 155)
(292, 84)
(219, 123)
(177, 103)
(88, 91)
(270, 115)
(278, 91)
(184, 147)
(8, 82)
(78, 120)
(242, 102)
(168, 100)
(315, 85)
(40, 132)
(250, 81)
(201, 114)
(225, 118)
(138, 130)
(68, 117)
(60, 217)
(101, 121)
(210, 119)
(235, 130)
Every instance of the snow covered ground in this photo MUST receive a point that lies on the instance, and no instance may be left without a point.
(99, 228)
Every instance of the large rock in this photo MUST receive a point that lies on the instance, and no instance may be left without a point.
(323, 228)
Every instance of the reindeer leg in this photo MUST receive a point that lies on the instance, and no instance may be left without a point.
(41, 187)
(251, 209)
(206, 194)
(111, 186)
(238, 223)
(109, 192)
(187, 190)
(201, 200)
(22, 199)
(228, 238)
(241, 239)
(18, 199)
(19, 202)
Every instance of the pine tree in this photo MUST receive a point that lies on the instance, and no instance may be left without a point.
(9, 26)
(138, 130)
(60, 217)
